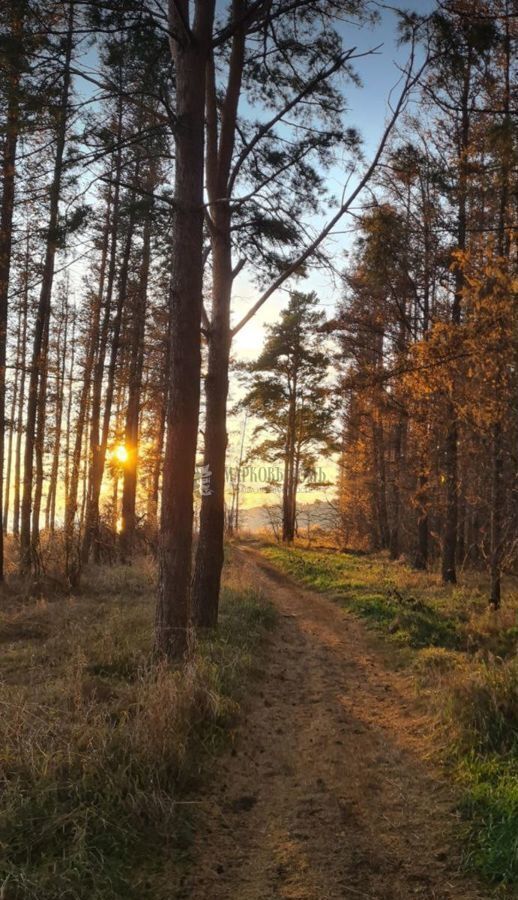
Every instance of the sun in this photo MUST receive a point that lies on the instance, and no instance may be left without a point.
(121, 453)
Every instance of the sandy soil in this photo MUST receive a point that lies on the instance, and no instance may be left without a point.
(329, 791)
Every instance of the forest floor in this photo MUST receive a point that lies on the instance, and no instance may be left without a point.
(333, 789)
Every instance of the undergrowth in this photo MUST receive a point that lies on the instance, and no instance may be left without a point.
(465, 656)
(99, 746)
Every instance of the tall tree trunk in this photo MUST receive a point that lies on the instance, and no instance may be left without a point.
(61, 356)
(22, 363)
(12, 417)
(451, 450)
(394, 546)
(159, 447)
(39, 446)
(136, 363)
(209, 551)
(381, 483)
(423, 523)
(72, 559)
(191, 54)
(239, 470)
(100, 350)
(6, 237)
(449, 547)
(70, 402)
(504, 248)
(497, 504)
(44, 306)
(421, 558)
(99, 457)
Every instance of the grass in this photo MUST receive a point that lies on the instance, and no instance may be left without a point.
(99, 747)
(465, 657)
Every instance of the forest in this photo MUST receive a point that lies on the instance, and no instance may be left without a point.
(258, 255)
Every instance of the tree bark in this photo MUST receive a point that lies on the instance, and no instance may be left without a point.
(12, 416)
(39, 446)
(61, 356)
(190, 49)
(22, 362)
(394, 546)
(209, 552)
(220, 147)
(421, 558)
(136, 363)
(504, 248)
(154, 492)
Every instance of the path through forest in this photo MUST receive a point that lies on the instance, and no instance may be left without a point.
(329, 792)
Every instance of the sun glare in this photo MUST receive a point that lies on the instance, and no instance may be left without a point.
(121, 453)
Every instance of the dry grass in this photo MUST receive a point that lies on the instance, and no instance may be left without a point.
(99, 747)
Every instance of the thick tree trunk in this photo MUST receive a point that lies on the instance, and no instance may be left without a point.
(44, 306)
(191, 54)
(209, 552)
(6, 238)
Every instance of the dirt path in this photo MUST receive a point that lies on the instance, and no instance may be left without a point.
(327, 793)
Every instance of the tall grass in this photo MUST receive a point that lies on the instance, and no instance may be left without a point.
(99, 747)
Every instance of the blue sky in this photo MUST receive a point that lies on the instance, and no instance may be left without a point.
(368, 104)
(368, 109)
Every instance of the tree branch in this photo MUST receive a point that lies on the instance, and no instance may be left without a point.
(410, 82)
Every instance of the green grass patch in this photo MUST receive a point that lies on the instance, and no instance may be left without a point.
(490, 806)
(368, 587)
(99, 747)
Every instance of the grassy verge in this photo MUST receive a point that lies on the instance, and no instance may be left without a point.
(465, 658)
(99, 747)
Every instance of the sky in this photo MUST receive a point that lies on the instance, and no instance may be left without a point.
(368, 110)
